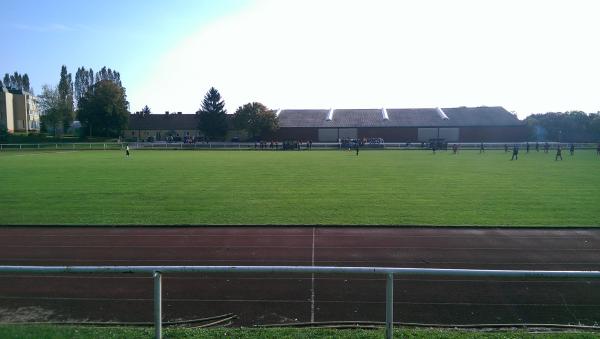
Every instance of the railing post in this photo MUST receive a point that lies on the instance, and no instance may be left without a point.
(389, 306)
(157, 305)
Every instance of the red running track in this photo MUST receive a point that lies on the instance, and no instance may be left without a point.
(282, 298)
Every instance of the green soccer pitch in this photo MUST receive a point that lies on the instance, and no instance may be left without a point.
(307, 187)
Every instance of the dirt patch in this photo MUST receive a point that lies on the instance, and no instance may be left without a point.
(25, 314)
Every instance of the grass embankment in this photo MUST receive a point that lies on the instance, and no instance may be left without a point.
(317, 187)
(47, 332)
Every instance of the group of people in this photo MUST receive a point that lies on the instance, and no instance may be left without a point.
(265, 144)
(516, 148)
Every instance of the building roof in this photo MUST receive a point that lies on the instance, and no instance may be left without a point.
(403, 117)
(169, 122)
(351, 118)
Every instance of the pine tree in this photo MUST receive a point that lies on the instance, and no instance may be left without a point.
(65, 92)
(146, 111)
(26, 85)
(212, 115)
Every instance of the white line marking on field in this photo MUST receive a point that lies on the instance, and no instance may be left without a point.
(24, 155)
(312, 281)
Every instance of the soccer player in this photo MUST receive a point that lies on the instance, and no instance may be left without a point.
(505, 148)
(527, 147)
(546, 147)
(357, 147)
(455, 148)
(572, 149)
(515, 154)
(537, 146)
(481, 148)
(127, 151)
(558, 153)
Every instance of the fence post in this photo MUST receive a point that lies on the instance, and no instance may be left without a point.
(389, 306)
(157, 305)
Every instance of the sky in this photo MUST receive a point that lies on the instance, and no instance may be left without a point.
(530, 56)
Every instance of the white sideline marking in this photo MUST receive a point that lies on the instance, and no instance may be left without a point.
(312, 281)
(24, 155)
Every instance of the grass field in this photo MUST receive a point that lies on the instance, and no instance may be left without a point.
(47, 332)
(317, 187)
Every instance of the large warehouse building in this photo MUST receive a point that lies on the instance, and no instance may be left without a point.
(460, 124)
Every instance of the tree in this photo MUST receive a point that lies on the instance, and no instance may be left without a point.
(65, 92)
(104, 109)
(574, 126)
(17, 81)
(212, 115)
(26, 85)
(82, 83)
(108, 74)
(256, 119)
(52, 108)
(145, 111)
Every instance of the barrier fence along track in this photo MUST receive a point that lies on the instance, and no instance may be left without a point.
(253, 146)
(389, 272)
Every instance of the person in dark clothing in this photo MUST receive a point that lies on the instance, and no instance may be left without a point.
(515, 154)
(572, 149)
(558, 153)
(357, 147)
(546, 147)
(527, 147)
(455, 148)
(505, 148)
(481, 148)
(537, 146)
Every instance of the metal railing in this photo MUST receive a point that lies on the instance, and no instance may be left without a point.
(79, 146)
(389, 272)
(70, 146)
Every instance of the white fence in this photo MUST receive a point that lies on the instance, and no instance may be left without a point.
(275, 147)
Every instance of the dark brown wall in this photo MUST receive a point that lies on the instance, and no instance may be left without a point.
(390, 134)
(494, 134)
(298, 133)
(410, 134)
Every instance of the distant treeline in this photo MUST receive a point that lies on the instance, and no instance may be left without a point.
(574, 126)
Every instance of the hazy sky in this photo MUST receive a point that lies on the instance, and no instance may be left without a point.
(528, 56)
